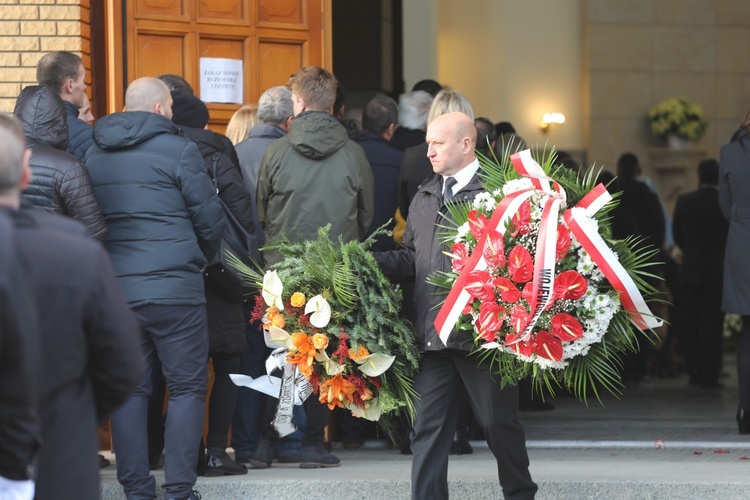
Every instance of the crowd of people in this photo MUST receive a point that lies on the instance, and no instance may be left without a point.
(112, 228)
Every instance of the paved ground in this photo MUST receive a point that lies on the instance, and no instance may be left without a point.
(661, 440)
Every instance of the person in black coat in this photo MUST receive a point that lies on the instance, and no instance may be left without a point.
(89, 340)
(448, 370)
(65, 73)
(700, 230)
(60, 183)
(164, 224)
(379, 120)
(224, 295)
(20, 430)
(734, 200)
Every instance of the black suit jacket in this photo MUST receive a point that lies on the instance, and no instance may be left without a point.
(700, 230)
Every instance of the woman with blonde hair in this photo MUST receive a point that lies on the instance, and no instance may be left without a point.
(242, 121)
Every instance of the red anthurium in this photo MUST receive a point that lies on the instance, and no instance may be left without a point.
(479, 285)
(548, 346)
(521, 222)
(468, 308)
(526, 293)
(490, 320)
(519, 318)
(570, 285)
(563, 242)
(525, 347)
(507, 289)
(565, 327)
(461, 256)
(520, 265)
(494, 250)
(477, 224)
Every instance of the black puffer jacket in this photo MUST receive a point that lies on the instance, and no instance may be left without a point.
(164, 218)
(420, 255)
(226, 324)
(60, 182)
(80, 133)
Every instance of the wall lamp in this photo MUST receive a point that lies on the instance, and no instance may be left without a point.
(551, 119)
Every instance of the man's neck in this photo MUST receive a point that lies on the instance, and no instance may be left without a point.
(12, 201)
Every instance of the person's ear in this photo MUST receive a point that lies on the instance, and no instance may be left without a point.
(287, 123)
(388, 134)
(26, 172)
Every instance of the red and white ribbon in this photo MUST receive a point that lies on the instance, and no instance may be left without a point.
(578, 220)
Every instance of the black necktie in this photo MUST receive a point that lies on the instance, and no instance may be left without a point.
(448, 184)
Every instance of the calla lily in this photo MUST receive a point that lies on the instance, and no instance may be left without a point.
(276, 337)
(272, 290)
(332, 368)
(321, 311)
(375, 364)
(371, 411)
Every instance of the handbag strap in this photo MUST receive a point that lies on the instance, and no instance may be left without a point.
(214, 161)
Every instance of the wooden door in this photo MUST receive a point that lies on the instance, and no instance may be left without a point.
(273, 38)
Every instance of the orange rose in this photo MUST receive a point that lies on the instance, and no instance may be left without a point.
(298, 299)
(320, 341)
(360, 353)
(278, 320)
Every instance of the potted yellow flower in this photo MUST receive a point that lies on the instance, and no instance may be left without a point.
(677, 118)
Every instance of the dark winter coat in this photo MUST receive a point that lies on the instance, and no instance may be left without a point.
(80, 133)
(734, 199)
(311, 177)
(226, 325)
(60, 183)
(385, 162)
(415, 168)
(20, 367)
(250, 152)
(404, 138)
(90, 349)
(164, 219)
(700, 230)
(420, 255)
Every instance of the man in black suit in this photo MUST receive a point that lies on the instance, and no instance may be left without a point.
(448, 370)
(700, 231)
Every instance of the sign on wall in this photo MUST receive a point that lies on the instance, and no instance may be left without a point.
(221, 80)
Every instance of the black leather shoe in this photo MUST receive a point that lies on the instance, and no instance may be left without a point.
(314, 457)
(218, 463)
(263, 455)
(292, 458)
(743, 421)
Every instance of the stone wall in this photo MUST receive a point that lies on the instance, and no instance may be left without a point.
(640, 52)
(31, 28)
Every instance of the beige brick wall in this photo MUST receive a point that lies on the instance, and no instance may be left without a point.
(31, 28)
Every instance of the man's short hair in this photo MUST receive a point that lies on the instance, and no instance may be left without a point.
(708, 171)
(143, 93)
(55, 68)
(485, 133)
(316, 86)
(176, 83)
(627, 166)
(12, 147)
(430, 86)
(380, 113)
(275, 105)
(413, 109)
(448, 101)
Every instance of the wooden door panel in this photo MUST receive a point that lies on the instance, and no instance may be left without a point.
(178, 10)
(156, 54)
(277, 61)
(223, 11)
(289, 14)
(273, 38)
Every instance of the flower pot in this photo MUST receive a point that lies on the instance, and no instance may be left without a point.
(677, 142)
